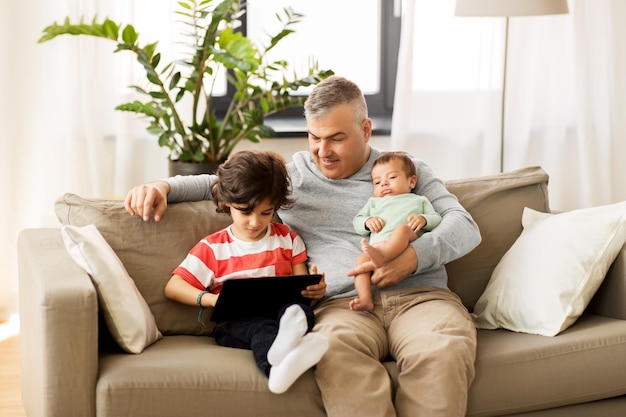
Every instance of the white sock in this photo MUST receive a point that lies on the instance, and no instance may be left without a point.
(293, 325)
(308, 353)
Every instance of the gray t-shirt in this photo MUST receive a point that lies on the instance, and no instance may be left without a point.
(323, 212)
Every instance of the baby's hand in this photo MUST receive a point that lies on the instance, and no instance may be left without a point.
(416, 222)
(375, 224)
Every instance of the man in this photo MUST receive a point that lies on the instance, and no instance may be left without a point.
(416, 320)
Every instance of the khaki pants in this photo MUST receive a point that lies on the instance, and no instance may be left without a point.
(426, 330)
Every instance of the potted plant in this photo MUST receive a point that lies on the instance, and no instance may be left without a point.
(205, 136)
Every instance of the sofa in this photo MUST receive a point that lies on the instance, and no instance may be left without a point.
(72, 366)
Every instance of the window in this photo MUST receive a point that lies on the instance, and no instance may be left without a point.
(357, 39)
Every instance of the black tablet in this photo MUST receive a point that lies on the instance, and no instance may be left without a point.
(260, 297)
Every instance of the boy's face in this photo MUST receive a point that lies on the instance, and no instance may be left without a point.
(391, 179)
(251, 226)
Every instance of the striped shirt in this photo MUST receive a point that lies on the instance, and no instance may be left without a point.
(221, 256)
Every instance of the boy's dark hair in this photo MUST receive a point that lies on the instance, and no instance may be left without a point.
(249, 177)
(409, 166)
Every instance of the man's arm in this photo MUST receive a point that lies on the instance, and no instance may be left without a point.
(455, 236)
(150, 199)
(147, 199)
(190, 188)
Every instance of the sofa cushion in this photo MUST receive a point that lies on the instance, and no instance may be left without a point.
(496, 203)
(519, 372)
(150, 251)
(547, 278)
(126, 313)
(196, 375)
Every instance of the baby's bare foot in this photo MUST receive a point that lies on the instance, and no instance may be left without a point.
(375, 255)
(359, 304)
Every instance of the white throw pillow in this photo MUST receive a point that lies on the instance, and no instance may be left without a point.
(126, 313)
(544, 282)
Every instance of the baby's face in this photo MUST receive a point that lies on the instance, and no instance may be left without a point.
(391, 179)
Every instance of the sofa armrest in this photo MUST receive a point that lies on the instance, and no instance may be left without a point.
(58, 328)
(609, 299)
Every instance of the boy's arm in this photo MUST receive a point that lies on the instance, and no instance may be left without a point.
(177, 289)
(300, 269)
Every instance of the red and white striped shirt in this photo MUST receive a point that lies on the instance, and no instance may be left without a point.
(221, 256)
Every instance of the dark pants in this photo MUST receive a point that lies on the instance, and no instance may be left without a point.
(256, 334)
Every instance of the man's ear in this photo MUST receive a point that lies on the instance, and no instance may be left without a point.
(366, 126)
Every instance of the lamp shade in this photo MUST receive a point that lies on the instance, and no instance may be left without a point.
(510, 7)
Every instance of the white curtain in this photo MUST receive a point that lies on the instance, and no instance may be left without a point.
(565, 96)
(59, 132)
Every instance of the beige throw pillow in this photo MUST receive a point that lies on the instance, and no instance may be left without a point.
(150, 250)
(125, 312)
(546, 279)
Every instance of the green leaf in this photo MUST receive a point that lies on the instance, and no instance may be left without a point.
(237, 51)
(153, 78)
(155, 60)
(150, 48)
(137, 107)
(111, 29)
(180, 95)
(174, 80)
(158, 94)
(129, 35)
(155, 129)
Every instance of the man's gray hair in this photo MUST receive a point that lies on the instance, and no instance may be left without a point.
(332, 92)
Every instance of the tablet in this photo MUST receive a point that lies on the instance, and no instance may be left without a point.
(260, 297)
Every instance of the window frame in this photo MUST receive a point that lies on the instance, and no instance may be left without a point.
(380, 105)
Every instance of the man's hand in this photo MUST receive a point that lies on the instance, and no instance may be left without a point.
(391, 273)
(148, 199)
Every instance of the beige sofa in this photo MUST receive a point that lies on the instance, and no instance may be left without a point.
(71, 367)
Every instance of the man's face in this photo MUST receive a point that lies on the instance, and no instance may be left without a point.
(338, 144)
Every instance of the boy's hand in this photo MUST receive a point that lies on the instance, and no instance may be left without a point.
(317, 291)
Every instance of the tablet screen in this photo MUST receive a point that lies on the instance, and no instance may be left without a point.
(260, 297)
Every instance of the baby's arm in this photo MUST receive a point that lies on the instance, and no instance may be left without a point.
(178, 289)
(432, 217)
(361, 218)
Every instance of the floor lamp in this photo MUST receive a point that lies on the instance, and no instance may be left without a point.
(507, 8)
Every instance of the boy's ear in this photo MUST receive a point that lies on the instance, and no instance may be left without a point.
(413, 181)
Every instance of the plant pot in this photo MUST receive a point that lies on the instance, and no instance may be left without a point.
(192, 168)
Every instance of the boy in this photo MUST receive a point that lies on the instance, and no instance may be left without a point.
(394, 217)
(251, 186)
